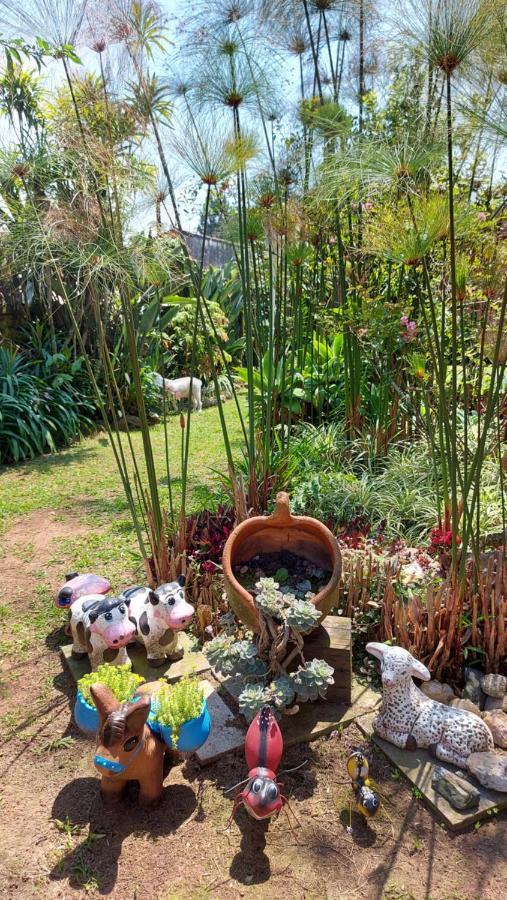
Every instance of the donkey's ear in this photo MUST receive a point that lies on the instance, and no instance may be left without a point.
(104, 700)
(418, 670)
(137, 713)
(376, 649)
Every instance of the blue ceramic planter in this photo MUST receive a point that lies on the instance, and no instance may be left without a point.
(193, 734)
(86, 716)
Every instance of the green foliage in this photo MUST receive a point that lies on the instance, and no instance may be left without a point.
(313, 679)
(42, 402)
(180, 342)
(179, 703)
(301, 615)
(240, 657)
(230, 656)
(120, 680)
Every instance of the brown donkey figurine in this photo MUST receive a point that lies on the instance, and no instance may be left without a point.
(127, 749)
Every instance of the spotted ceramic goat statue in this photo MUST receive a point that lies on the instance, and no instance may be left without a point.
(409, 719)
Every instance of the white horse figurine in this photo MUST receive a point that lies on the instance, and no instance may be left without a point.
(179, 388)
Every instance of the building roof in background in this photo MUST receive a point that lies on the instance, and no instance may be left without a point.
(216, 251)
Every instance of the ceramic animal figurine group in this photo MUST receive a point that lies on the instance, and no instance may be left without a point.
(101, 627)
(409, 719)
(127, 749)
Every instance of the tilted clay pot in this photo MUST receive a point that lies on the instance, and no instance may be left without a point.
(279, 532)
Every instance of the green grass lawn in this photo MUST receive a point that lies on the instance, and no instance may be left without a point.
(85, 476)
(82, 486)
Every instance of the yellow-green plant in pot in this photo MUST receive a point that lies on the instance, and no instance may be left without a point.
(181, 716)
(120, 680)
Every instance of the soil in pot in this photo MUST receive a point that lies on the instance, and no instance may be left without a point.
(294, 574)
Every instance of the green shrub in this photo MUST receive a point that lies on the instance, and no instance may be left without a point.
(180, 353)
(179, 703)
(120, 680)
(42, 406)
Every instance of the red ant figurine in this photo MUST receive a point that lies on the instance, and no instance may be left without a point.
(263, 750)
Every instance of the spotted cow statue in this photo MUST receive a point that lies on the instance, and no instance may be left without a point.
(101, 628)
(158, 616)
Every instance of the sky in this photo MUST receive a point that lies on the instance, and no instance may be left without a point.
(53, 74)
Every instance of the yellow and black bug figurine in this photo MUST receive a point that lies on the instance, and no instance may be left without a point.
(367, 800)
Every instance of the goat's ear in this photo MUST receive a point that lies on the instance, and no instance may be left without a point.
(137, 714)
(376, 649)
(104, 700)
(418, 670)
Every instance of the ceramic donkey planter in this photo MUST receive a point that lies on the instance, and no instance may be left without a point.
(158, 616)
(100, 627)
(127, 749)
(409, 719)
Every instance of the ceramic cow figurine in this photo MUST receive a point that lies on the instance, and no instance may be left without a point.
(127, 749)
(100, 627)
(158, 616)
(409, 719)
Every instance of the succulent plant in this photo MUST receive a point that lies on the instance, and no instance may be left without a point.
(269, 599)
(281, 692)
(218, 651)
(179, 703)
(232, 657)
(312, 680)
(239, 657)
(302, 615)
(251, 700)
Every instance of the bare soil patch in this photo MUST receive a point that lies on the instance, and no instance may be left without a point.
(26, 548)
(57, 840)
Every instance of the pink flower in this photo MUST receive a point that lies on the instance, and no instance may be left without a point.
(368, 205)
(482, 216)
(409, 329)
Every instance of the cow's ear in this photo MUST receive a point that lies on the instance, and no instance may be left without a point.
(137, 714)
(182, 580)
(92, 617)
(104, 700)
(153, 598)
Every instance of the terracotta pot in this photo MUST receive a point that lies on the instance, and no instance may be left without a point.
(281, 531)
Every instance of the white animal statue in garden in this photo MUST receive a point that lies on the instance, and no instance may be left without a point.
(179, 388)
(158, 616)
(409, 719)
(101, 627)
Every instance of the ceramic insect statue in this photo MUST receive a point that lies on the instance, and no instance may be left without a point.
(262, 796)
(367, 800)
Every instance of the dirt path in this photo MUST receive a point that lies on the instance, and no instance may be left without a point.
(58, 841)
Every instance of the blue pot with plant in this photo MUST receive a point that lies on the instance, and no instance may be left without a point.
(180, 716)
(120, 680)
